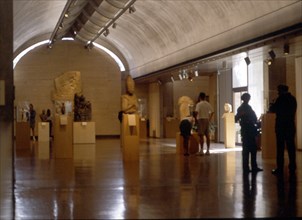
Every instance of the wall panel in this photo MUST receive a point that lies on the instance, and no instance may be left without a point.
(100, 75)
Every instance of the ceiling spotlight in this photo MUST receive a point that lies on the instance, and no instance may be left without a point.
(185, 74)
(49, 46)
(114, 25)
(286, 49)
(61, 26)
(172, 78)
(66, 15)
(272, 54)
(132, 9)
(180, 76)
(268, 62)
(89, 45)
(247, 60)
(224, 64)
(106, 32)
(159, 82)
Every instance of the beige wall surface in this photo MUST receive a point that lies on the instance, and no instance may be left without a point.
(190, 89)
(101, 81)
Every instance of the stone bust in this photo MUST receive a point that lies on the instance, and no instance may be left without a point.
(129, 100)
(227, 108)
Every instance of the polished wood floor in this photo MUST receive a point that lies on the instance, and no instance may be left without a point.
(96, 184)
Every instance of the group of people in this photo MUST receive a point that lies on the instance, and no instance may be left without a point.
(202, 116)
(284, 107)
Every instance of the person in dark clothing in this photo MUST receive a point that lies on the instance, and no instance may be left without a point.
(185, 131)
(248, 119)
(285, 108)
(32, 120)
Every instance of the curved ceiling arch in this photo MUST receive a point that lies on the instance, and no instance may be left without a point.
(172, 34)
(164, 33)
(23, 52)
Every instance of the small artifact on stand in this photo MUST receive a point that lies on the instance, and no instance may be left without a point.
(82, 108)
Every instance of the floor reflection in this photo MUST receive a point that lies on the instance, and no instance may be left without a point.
(249, 194)
(287, 196)
(43, 150)
(97, 184)
(84, 154)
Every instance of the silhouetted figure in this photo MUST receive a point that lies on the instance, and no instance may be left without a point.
(249, 195)
(285, 108)
(287, 201)
(49, 120)
(247, 120)
(63, 109)
(204, 113)
(32, 120)
(185, 128)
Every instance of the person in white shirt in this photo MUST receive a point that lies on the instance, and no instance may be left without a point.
(203, 113)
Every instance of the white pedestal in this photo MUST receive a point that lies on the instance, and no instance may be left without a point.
(229, 130)
(63, 136)
(43, 150)
(43, 131)
(130, 137)
(83, 132)
(84, 153)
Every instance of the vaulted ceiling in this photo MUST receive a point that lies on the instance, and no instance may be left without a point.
(154, 35)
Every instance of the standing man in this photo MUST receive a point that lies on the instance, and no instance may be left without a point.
(204, 113)
(285, 108)
(248, 119)
(32, 120)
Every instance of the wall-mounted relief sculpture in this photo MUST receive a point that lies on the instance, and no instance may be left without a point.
(66, 85)
(68, 97)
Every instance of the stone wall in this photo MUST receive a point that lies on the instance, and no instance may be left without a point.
(101, 80)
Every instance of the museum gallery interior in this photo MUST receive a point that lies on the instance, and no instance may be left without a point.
(92, 93)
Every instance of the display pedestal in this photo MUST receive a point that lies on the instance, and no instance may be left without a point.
(171, 127)
(130, 137)
(143, 128)
(193, 143)
(229, 130)
(63, 136)
(83, 132)
(43, 150)
(43, 131)
(268, 136)
(22, 135)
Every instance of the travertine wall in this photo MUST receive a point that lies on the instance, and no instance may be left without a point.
(101, 80)
(190, 89)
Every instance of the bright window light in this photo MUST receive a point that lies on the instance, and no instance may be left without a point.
(20, 55)
(109, 52)
(67, 38)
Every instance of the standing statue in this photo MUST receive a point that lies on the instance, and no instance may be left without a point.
(129, 101)
(185, 103)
